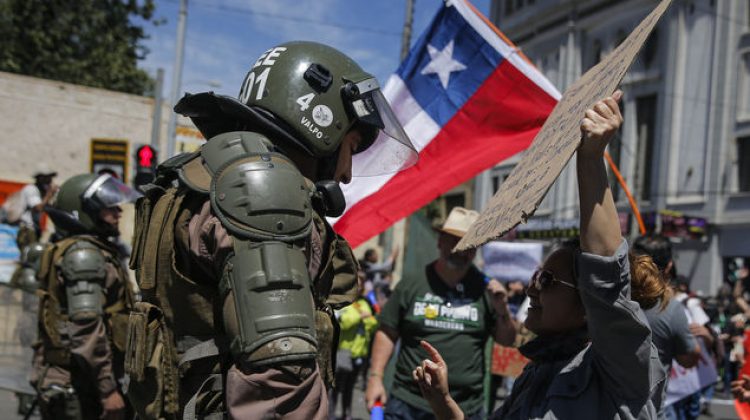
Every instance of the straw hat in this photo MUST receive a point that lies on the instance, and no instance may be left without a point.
(458, 222)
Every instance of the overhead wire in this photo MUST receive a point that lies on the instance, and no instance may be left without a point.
(245, 11)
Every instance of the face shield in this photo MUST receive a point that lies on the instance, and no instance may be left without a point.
(385, 147)
(106, 192)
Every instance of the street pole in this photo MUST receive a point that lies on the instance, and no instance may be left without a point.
(406, 35)
(396, 235)
(156, 120)
(176, 78)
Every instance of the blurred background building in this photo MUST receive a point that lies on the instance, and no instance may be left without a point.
(684, 149)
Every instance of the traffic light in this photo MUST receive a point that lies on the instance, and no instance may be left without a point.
(145, 165)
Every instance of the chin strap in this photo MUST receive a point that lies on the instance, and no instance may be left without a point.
(327, 166)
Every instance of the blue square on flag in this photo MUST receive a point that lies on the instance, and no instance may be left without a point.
(468, 99)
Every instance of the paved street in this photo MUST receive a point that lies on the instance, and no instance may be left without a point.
(720, 409)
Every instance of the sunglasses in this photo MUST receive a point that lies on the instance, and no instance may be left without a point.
(545, 278)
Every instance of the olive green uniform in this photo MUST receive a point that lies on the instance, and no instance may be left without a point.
(240, 272)
(179, 357)
(78, 360)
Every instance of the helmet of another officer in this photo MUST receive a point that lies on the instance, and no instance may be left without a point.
(77, 207)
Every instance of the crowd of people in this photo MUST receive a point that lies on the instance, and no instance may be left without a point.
(248, 305)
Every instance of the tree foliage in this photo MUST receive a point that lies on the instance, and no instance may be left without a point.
(88, 42)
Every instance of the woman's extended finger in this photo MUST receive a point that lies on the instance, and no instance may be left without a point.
(432, 352)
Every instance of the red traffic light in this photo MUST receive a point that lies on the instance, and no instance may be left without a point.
(146, 155)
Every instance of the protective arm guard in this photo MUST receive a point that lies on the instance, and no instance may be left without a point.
(269, 314)
(24, 277)
(84, 270)
(264, 201)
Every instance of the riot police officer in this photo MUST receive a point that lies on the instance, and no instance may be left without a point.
(85, 299)
(239, 270)
(24, 279)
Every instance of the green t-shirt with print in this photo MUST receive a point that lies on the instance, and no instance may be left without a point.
(456, 321)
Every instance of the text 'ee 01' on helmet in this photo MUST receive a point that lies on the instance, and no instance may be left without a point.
(311, 95)
(320, 94)
(80, 199)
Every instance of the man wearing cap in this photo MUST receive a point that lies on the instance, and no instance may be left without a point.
(454, 306)
(34, 197)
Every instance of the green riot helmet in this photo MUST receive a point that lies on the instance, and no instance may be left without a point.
(319, 94)
(81, 198)
(308, 96)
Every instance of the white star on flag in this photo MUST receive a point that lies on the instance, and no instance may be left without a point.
(442, 63)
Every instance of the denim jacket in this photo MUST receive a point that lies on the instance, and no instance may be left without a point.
(609, 371)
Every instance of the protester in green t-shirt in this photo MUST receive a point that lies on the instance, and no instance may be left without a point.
(455, 307)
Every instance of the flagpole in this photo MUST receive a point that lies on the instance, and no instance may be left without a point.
(621, 181)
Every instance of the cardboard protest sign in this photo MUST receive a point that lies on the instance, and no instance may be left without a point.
(685, 382)
(520, 196)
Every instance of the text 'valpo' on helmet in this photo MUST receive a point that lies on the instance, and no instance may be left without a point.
(77, 205)
(311, 95)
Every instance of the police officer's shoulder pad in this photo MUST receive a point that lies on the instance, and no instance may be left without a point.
(255, 192)
(83, 261)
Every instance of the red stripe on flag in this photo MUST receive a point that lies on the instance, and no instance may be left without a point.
(498, 121)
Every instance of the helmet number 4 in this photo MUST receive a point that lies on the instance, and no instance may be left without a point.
(250, 80)
(304, 101)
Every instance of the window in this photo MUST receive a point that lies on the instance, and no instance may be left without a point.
(743, 164)
(594, 56)
(509, 7)
(454, 200)
(497, 180)
(650, 49)
(615, 152)
(621, 35)
(645, 131)
(743, 88)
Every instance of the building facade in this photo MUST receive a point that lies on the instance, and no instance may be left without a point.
(56, 125)
(684, 148)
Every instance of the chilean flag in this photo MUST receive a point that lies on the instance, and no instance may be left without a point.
(468, 99)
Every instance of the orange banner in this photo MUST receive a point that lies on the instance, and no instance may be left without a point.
(507, 361)
(7, 188)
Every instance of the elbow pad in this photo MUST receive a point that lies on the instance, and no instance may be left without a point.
(84, 270)
(269, 309)
(264, 202)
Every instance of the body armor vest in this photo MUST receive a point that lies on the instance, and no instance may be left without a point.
(177, 333)
(52, 302)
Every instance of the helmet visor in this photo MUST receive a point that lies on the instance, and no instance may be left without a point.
(106, 192)
(388, 149)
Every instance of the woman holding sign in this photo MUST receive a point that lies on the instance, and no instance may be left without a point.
(593, 357)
